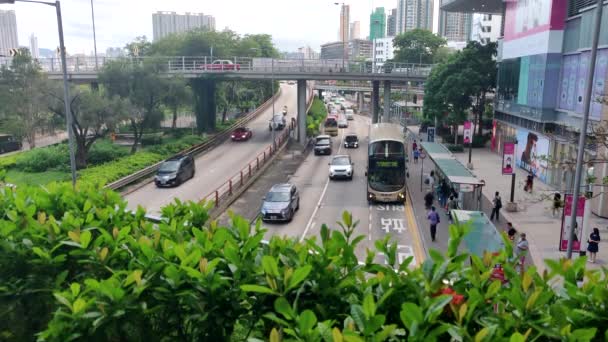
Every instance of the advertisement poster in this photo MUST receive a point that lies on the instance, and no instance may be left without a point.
(578, 227)
(532, 153)
(467, 132)
(599, 84)
(581, 80)
(493, 141)
(508, 156)
(567, 67)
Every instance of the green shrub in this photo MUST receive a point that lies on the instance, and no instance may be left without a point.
(104, 151)
(481, 141)
(315, 118)
(44, 159)
(455, 148)
(9, 161)
(101, 273)
(181, 144)
(152, 139)
(112, 171)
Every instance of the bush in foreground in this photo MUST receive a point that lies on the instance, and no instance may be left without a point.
(78, 266)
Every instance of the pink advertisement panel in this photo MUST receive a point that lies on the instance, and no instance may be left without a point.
(508, 158)
(528, 17)
(578, 227)
(467, 132)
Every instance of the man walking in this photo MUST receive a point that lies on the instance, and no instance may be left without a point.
(433, 217)
(521, 251)
(496, 205)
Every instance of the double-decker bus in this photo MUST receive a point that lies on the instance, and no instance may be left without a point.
(386, 169)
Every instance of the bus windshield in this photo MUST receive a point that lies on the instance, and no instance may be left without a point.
(331, 122)
(386, 168)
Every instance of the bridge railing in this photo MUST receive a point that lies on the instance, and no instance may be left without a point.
(205, 64)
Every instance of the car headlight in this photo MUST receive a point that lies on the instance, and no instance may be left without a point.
(285, 211)
(402, 195)
(232, 136)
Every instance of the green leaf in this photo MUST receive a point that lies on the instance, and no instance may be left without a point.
(481, 334)
(517, 337)
(75, 288)
(307, 321)
(436, 307)
(298, 276)
(410, 314)
(356, 312)
(274, 335)
(270, 266)
(584, 334)
(85, 239)
(493, 289)
(79, 305)
(282, 306)
(369, 307)
(257, 288)
(61, 299)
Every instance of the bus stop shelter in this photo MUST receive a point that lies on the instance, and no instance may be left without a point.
(483, 236)
(457, 176)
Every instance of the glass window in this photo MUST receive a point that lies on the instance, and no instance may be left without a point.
(277, 197)
(169, 167)
(508, 79)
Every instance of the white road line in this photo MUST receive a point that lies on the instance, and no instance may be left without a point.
(310, 221)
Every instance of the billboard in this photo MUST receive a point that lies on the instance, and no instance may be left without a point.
(565, 232)
(467, 132)
(532, 151)
(508, 157)
(527, 17)
(599, 84)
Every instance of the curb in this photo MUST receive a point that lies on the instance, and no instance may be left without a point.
(419, 251)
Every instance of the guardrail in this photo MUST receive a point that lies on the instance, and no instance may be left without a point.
(195, 150)
(224, 194)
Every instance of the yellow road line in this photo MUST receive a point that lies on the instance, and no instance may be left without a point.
(409, 215)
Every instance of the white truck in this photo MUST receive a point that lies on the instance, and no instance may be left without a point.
(277, 122)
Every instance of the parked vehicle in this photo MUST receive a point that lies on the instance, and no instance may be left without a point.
(341, 167)
(175, 170)
(277, 122)
(284, 110)
(351, 141)
(323, 146)
(241, 134)
(8, 143)
(221, 64)
(280, 203)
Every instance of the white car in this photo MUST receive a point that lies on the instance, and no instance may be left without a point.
(350, 114)
(342, 122)
(341, 167)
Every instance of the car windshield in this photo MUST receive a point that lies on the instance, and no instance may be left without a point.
(340, 161)
(323, 142)
(351, 138)
(240, 130)
(169, 166)
(277, 197)
(331, 122)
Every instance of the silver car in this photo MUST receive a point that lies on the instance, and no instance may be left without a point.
(341, 167)
(280, 203)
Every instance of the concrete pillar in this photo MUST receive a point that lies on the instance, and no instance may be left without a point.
(387, 101)
(302, 111)
(375, 100)
(320, 94)
(204, 104)
(360, 99)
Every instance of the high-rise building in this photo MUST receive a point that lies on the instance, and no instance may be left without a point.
(344, 23)
(355, 30)
(413, 14)
(486, 27)
(383, 50)
(308, 53)
(166, 23)
(34, 51)
(115, 52)
(455, 26)
(377, 24)
(360, 49)
(8, 32)
(391, 23)
(333, 50)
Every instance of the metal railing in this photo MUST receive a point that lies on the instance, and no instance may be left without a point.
(205, 64)
(194, 150)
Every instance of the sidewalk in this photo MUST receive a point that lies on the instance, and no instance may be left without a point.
(534, 216)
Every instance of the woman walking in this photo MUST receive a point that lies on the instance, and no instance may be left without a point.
(593, 244)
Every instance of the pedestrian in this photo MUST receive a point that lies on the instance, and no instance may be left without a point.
(529, 182)
(496, 205)
(557, 202)
(511, 231)
(521, 251)
(452, 205)
(428, 199)
(416, 155)
(434, 220)
(593, 244)
(444, 191)
(430, 181)
(414, 146)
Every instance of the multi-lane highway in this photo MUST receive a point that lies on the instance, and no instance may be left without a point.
(324, 200)
(217, 165)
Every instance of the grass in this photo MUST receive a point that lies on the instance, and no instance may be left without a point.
(35, 178)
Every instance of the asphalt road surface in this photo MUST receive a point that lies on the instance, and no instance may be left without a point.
(214, 167)
(322, 201)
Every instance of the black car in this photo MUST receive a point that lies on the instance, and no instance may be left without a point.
(175, 170)
(323, 146)
(8, 143)
(280, 203)
(351, 141)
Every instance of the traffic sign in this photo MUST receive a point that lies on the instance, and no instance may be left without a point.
(13, 52)
(422, 154)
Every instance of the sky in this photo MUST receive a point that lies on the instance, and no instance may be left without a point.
(292, 23)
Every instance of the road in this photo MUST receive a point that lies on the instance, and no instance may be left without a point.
(324, 200)
(217, 165)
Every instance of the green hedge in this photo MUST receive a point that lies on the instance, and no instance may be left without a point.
(76, 266)
(315, 118)
(112, 171)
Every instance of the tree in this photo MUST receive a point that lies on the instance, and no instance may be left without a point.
(417, 46)
(145, 88)
(23, 108)
(139, 47)
(178, 94)
(93, 114)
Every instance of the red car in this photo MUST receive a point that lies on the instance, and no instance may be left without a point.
(221, 64)
(241, 134)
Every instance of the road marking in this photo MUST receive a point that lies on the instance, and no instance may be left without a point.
(369, 228)
(310, 221)
(419, 254)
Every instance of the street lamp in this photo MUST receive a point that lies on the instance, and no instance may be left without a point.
(94, 35)
(272, 131)
(344, 28)
(66, 90)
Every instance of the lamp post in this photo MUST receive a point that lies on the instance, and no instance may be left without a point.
(583, 132)
(94, 35)
(344, 28)
(66, 89)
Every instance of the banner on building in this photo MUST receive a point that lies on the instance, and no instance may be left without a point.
(578, 226)
(467, 132)
(508, 157)
(493, 141)
(533, 153)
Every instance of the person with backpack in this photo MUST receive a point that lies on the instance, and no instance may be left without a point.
(434, 220)
(496, 205)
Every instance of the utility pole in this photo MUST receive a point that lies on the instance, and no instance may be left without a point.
(94, 35)
(583, 131)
